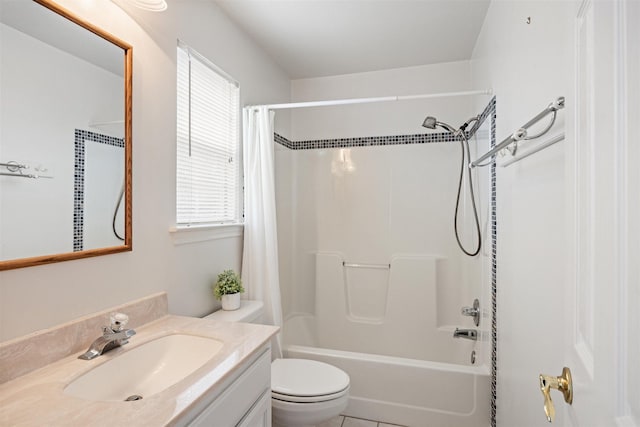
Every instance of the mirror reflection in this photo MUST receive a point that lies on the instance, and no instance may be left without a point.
(63, 150)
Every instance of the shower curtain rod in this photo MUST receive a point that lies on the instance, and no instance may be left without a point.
(370, 100)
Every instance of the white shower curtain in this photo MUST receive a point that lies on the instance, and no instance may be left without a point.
(260, 254)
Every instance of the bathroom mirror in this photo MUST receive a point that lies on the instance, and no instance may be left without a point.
(65, 137)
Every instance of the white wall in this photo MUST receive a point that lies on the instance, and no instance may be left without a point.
(39, 297)
(37, 215)
(528, 66)
(633, 136)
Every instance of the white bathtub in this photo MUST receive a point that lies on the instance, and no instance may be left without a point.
(400, 390)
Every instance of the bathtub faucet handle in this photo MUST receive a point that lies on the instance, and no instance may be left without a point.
(472, 311)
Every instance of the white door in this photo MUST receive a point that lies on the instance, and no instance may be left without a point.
(602, 333)
(592, 323)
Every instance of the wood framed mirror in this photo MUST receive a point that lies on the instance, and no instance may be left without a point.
(65, 137)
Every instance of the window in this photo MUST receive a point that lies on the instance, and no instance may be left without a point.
(208, 164)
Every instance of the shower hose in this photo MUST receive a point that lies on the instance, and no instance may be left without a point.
(464, 148)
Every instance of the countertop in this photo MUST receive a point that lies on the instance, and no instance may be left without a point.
(37, 399)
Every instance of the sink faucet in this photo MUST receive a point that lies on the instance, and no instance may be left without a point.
(112, 336)
(470, 334)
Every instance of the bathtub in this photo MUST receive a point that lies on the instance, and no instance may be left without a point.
(399, 390)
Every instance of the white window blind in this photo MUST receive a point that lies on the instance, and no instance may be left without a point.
(208, 174)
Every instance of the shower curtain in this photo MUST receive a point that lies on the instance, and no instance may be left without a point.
(260, 254)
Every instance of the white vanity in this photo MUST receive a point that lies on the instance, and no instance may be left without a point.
(229, 388)
(245, 400)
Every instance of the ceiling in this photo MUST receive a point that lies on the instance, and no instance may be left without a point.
(313, 38)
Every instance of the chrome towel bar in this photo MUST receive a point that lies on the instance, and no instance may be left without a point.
(521, 133)
(17, 169)
(522, 153)
(24, 175)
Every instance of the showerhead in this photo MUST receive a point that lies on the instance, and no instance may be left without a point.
(432, 122)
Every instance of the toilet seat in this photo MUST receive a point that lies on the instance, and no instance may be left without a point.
(307, 381)
(309, 399)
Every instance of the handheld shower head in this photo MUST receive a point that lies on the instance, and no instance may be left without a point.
(432, 122)
(460, 134)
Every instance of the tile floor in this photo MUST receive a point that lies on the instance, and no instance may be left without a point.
(342, 421)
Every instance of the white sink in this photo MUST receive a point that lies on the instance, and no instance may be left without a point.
(145, 370)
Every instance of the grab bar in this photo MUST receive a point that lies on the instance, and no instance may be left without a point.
(520, 134)
(355, 265)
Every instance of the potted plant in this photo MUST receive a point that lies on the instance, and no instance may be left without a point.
(228, 289)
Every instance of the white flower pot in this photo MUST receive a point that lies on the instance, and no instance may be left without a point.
(231, 301)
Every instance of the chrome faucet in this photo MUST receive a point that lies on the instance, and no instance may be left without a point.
(472, 311)
(112, 336)
(470, 334)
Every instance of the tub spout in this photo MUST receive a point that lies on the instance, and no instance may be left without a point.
(470, 334)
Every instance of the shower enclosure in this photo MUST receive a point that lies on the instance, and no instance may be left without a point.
(372, 278)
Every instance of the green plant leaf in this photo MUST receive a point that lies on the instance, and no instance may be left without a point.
(228, 283)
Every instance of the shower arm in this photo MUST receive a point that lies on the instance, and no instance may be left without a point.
(558, 104)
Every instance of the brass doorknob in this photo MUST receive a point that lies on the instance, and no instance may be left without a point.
(563, 383)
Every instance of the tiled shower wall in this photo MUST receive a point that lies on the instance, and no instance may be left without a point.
(327, 170)
(80, 139)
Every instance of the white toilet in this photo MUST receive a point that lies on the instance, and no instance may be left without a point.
(303, 392)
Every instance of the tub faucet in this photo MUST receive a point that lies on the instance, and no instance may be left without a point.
(112, 336)
(473, 311)
(470, 334)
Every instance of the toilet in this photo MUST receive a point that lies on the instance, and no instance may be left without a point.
(303, 392)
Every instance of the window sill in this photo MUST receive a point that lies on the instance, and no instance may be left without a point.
(185, 234)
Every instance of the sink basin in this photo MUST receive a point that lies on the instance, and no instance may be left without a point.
(145, 370)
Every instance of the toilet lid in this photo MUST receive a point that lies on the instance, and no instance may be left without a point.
(307, 378)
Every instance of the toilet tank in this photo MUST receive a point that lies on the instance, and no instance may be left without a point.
(250, 311)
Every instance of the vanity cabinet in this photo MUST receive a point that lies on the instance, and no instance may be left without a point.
(260, 414)
(243, 400)
(232, 388)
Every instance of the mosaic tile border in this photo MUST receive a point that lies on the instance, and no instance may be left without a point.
(491, 110)
(366, 141)
(283, 141)
(373, 141)
(80, 136)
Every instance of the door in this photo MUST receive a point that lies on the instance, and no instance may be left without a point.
(602, 291)
(582, 219)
